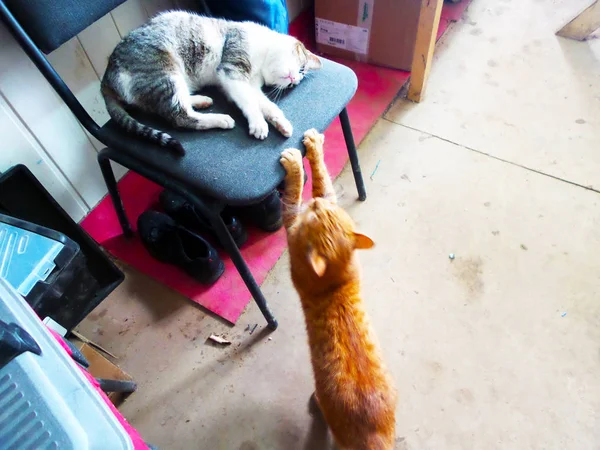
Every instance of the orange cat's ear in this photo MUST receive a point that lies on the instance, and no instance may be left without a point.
(362, 242)
(317, 262)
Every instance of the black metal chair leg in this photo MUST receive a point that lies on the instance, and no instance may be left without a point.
(207, 210)
(225, 237)
(113, 190)
(349, 138)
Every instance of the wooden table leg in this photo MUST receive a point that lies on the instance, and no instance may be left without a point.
(429, 22)
(584, 24)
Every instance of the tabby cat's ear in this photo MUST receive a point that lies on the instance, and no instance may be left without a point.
(317, 262)
(362, 242)
(313, 61)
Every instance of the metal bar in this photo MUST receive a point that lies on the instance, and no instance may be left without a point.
(235, 255)
(349, 138)
(117, 385)
(113, 190)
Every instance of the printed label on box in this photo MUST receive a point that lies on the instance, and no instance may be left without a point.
(341, 35)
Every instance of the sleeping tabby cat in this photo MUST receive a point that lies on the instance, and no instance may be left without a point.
(352, 385)
(158, 66)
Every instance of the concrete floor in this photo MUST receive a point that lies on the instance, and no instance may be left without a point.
(499, 348)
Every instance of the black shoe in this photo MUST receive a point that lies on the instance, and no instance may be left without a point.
(171, 243)
(266, 215)
(184, 213)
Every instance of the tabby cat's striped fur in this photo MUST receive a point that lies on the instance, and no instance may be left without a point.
(158, 68)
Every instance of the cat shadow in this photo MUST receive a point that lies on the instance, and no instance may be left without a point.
(278, 429)
(318, 437)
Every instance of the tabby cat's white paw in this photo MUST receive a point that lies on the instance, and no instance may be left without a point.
(259, 128)
(224, 121)
(283, 126)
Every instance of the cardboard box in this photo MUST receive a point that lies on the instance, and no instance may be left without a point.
(381, 32)
(100, 367)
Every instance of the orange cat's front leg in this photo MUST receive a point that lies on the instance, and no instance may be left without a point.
(291, 160)
(322, 186)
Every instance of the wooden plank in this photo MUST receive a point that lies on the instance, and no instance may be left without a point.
(129, 15)
(49, 120)
(101, 367)
(429, 22)
(20, 147)
(98, 41)
(582, 26)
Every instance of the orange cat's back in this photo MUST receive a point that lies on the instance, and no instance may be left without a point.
(354, 389)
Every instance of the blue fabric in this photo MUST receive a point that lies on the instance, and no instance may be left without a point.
(51, 23)
(270, 13)
(230, 165)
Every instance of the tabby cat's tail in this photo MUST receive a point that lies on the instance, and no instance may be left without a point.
(118, 113)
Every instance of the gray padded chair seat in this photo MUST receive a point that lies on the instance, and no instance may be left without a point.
(231, 166)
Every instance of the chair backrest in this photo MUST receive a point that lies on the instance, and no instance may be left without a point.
(52, 37)
(45, 25)
(51, 23)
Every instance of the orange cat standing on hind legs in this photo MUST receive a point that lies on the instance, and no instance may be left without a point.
(352, 385)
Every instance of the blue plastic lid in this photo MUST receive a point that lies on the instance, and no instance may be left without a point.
(26, 257)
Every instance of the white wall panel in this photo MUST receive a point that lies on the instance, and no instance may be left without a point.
(18, 146)
(49, 120)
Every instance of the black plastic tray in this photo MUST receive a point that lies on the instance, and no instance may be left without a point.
(22, 196)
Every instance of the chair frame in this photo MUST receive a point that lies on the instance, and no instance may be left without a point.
(208, 207)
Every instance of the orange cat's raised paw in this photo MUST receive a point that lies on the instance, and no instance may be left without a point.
(313, 141)
(291, 160)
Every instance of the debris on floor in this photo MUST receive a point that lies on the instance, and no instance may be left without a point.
(219, 339)
(451, 256)
(375, 169)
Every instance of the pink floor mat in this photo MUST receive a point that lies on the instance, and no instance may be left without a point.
(228, 297)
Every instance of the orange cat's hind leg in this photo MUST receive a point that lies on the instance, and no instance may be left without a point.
(291, 160)
(322, 186)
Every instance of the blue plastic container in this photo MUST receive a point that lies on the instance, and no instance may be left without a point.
(26, 257)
